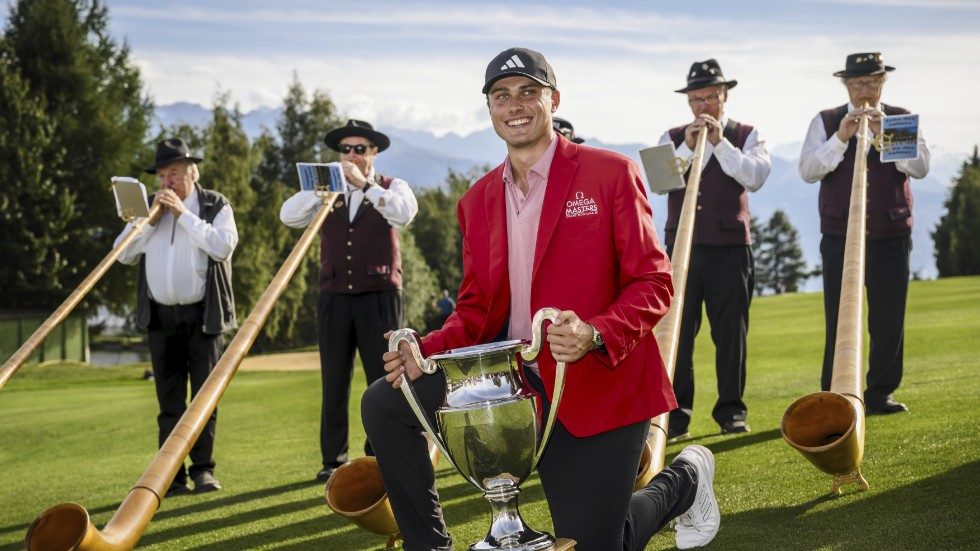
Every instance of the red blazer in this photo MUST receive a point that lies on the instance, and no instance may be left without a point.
(597, 254)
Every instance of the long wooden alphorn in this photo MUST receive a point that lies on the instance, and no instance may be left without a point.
(30, 345)
(828, 427)
(67, 526)
(669, 329)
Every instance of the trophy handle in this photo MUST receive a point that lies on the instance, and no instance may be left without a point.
(530, 352)
(428, 367)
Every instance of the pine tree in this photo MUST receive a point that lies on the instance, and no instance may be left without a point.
(418, 284)
(957, 249)
(304, 122)
(436, 226)
(779, 264)
(227, 168)
(34, 207)
(91, 96)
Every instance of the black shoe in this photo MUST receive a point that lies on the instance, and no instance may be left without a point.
(676, 435)
(178, 488)
(325, 473)
(890, 405)
(735, 427)
(205, 482)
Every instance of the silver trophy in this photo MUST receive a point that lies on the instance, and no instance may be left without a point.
(489, 425)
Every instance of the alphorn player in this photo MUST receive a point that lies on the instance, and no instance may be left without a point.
(721, 273)
(360, 276)
(828, 157)
(565, 128)
(184, 297)
(564, 225)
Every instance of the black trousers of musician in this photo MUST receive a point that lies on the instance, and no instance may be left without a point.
(347, 324)
(181, 352)
(588, 482)
(723, 280)
(886, 279)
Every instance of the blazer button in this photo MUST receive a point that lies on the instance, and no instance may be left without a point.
(348, 257)
(350, 230)
(349, 272)
(699, 207)
(349, 287)
(349, 243)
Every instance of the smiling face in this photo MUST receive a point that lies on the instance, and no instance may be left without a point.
(521, 109)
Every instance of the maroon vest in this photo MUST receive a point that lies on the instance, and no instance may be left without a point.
(889, 204)
(723, 204)
(359, 256)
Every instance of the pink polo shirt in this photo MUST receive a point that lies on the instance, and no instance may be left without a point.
(523, 215)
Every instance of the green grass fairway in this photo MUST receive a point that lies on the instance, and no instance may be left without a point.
(82, 434)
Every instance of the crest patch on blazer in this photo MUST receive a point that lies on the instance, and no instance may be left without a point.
(580, 206)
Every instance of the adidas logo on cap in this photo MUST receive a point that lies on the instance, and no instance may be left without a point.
(512, 63)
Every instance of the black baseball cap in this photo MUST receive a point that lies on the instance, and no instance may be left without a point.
(522, 62)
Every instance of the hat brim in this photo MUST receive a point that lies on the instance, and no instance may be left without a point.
(167, 162)
(849, 74)
(377, 138)
(692, 86)
(486, 87)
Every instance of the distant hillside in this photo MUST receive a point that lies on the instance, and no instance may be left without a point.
(423, 159)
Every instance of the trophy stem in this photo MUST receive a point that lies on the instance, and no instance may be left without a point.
(507, 528)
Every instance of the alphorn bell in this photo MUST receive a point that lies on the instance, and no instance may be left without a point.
(30, 345)
(669, 329)
(355, 491)
(67, 526)
(828, 427)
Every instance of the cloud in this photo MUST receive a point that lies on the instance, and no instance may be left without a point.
(419, 65)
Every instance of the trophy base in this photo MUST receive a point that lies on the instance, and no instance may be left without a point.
(529, 540)
(507, 529)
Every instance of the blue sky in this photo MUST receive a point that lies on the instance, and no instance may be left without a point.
(419, 64)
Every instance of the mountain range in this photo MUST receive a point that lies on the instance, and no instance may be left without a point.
(423, 160)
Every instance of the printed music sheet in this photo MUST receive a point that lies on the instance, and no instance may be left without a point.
(664, 171)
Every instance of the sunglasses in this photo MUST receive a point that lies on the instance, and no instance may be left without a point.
(360, 149)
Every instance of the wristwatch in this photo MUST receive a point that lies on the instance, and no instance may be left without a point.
(597, 342)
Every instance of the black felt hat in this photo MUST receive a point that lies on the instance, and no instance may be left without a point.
(705, 74)
(521, 62)
(565, 128)
(356, 128)
(169, 152)
(862, 65)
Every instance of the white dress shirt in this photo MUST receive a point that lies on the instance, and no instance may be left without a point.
(820, 155)
(400, 205)
(177, 251)
(749, 166)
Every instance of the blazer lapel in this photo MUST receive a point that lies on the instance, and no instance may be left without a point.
(496, 213)
(559, 181)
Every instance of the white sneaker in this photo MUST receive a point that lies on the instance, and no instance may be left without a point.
(698, 525)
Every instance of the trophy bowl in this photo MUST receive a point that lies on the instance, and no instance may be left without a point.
(489, 426)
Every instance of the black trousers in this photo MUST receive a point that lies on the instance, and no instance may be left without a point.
(588, 482)
(180, 351)
(723, 280)
(886, 279)
(347, 324)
